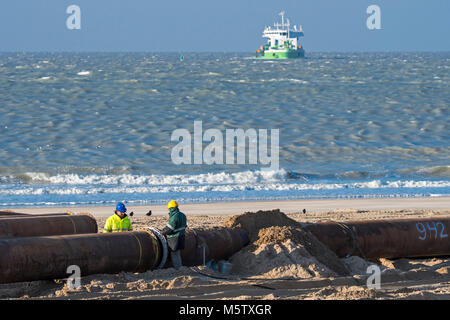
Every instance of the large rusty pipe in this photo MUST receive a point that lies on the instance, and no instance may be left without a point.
(38, 258)
(47, 225)
(217, 243)
(396, 238)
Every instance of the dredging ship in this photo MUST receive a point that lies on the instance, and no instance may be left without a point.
(283, 41)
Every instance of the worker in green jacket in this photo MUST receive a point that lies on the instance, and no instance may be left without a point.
(119, 221)
(174, 232)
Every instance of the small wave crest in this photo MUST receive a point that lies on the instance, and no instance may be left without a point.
(130, 179)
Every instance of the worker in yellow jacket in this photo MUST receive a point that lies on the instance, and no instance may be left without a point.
(119, 221)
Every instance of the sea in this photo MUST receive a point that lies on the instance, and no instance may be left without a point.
(91, 129)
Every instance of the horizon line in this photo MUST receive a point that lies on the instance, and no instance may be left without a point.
(206, 52)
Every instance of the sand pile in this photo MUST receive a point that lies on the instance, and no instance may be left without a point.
(280, 248)
(252, 222)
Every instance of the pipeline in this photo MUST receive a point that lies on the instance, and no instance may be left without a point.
(212, 244)
(11, 213)
(20, 226)
(7, 215)
(396, 238)
(38, 258)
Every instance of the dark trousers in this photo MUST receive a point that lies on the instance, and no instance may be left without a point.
(175, 256)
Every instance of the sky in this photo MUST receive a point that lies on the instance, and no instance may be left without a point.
(221, 26)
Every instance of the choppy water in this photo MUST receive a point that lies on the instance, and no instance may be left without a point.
(95, 128)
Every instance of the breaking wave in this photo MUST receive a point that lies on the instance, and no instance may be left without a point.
(280, 182)
(410, 178)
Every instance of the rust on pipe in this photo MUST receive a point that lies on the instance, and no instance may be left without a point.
(395, 238)
(219, 243)
(39, 258)
(47, 225)
(26, 215)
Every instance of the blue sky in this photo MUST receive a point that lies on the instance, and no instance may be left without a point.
(221, 26)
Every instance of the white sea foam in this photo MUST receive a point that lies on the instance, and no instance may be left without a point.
(210, 74)
(209, 183)
(127, 81)
(285, 80)
(252, 178)
(128, 179)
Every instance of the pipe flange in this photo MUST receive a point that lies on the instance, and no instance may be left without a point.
(164, 246)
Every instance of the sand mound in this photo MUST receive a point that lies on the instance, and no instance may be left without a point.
(278, 260)
(252, 222)
(281, 248)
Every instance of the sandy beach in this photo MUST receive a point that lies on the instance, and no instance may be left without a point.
(272, 266)
(290, 206)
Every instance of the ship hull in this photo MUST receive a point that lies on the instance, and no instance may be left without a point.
(281, 55)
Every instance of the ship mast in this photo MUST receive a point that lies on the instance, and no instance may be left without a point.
(282, 18)
(288, 28)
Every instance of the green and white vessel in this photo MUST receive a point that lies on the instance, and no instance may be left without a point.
(283, 41)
